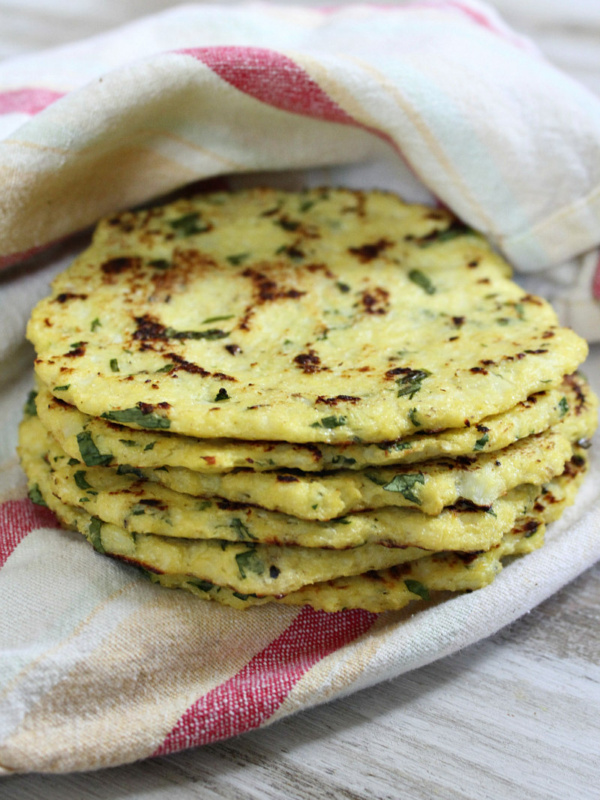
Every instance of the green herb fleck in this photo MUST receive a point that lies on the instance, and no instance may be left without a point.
(127, 469)
(90, 454)
(404, 484)
(114, 365)
(149, 446)
(160, 263)
(412, 415)
(481, 443)
(563, 406)
(287, 224)
(95, 534)
(72, 462)
(80, 480)
(241, 530)
(211, 334)
(221, 395)
(418, 277)
(453, 231)
(204, 505)
(416, 587)
(189, 224)
(128, 442)
(74, 345)
(217, 319)
(343, 287)
(35, 495)
(95, 324)
(204, 586)
(249, 561)
(30, 408)
(62, 388)
(394, 447)
(166, 368)
(137, 416)
(237, 259)
(306, 205)
(330, 422)
(410, 382)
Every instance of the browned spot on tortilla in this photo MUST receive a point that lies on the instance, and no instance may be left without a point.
(340, 398)
(370, 251)
(376, 301)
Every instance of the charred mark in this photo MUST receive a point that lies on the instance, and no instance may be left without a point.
(309, 362)
(341, 398)
(376, 301)
(115, 266)
(368, 252)
(62, 298)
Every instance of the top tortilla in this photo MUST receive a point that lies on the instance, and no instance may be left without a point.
(323, 316)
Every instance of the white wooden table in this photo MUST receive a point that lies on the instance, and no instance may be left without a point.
(515, 716)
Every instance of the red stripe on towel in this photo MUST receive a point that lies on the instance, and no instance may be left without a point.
(252, 696)
(17, 519)
(27, 101)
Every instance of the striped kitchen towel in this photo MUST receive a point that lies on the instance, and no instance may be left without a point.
(437, 100)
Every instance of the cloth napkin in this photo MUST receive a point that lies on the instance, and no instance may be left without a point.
(437, 100)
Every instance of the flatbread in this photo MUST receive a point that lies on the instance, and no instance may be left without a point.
(144, 507)
(323, 316)
(91, 438)
(419, 580)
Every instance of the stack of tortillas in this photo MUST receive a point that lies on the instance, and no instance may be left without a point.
(327, 398)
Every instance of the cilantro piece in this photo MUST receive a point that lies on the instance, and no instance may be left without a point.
(217, 319)
(330, 422)
(211, 334)
(80, 480)
(418, 277)
(453, 231)
(95, 324)
(90, 454)
(127, 469)
(416, 587)
(481, 443)
(394, 446)
(29, 407)
(114, 365)
(221, 395)
(189, 224)
(410, 382)
(149, 446)
(249, 561)
(72, 462)
(128, 442)
(344, 461)
(35, 495)
(204, 505)
(166, 368)
(62, 388)
(563, 406)
(242, 531)
(237, 259)
(204, 586)
(412, 415)
(95, 534)
(404, 484)
(306, 205)
(137, 416)
(343, 287)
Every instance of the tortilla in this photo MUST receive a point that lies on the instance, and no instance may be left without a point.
(81, 435)
(321, 316)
